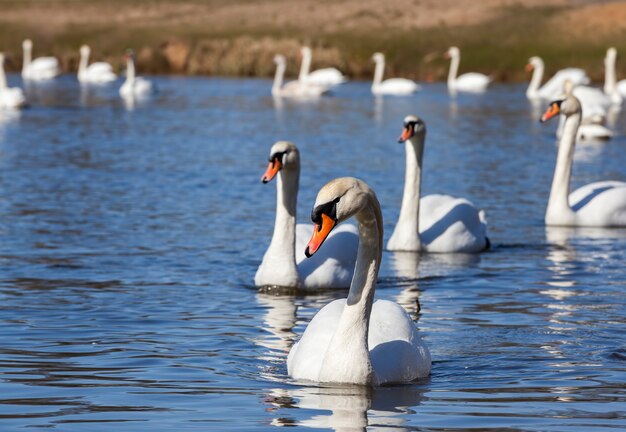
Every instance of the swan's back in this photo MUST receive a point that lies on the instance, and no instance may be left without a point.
(397, 86)
(600, 204)
(472, 81)
(448, 224)
(553, 88)
(12, 97)
(333, 265)
(326, 77)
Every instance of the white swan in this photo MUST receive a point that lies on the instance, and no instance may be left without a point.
(611, 86)
(293, 89)
(42, 68)
(327, 77)
(553, 88)
(471, 82)
(601, 204)
(392, 86)
(10, 97)
(592, 127)
(435, 223)
(134, 86)
(95, 73)
(357, 340)
(284, 262)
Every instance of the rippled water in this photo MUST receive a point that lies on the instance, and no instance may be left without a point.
(129, 238)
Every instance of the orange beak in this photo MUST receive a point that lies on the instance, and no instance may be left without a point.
(407, 133)
(552, 111)
(529, 67)
(320, 232)
(272, 169)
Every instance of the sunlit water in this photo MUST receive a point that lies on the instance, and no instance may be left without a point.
(129, 238)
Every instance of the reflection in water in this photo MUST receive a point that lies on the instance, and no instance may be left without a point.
(352, 408)
(279, 320)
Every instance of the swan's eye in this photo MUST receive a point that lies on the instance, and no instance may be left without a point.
(329, 209)
(278, 156)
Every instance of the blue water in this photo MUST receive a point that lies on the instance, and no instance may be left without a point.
(129, 238)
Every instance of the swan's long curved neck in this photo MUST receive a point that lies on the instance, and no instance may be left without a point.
(348, 351)
(283, 244)
(378, 73)
(278, 77)
(407, 227)
(454, 69)
(27, 59)
(535, 81)
(3, 77)
(610, 80)
(82, 65)
(130, 70)
(305, 66)
(558, 203)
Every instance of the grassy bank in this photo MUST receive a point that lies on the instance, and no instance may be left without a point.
(219, 37)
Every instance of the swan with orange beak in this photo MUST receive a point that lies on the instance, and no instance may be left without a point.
(284, 263)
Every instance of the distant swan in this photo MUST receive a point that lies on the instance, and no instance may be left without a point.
(322, 77)
(392, 86)
(42, 68)
(435, 223)
(600, 204)
(553, 88)
(284, 263)
(471, 82)
(611, 87)
(95, 73)
(357, 340)
(293, 89)
(134, 86)
(10, 97)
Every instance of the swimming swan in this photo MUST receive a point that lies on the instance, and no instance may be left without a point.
(392, 86)
(600, 204)
(322, 77)
(471, 82)
(553, 88)
(435, 223)
(293, 89)
(134, 86)
(40, 69)
(95, 73)
(284, 263)
(10, 97)
(357, 340)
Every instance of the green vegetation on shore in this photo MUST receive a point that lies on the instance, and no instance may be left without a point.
(196, 42)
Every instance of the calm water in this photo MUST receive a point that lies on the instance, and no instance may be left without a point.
(129, 238)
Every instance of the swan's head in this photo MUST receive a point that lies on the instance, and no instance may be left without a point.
(280, 59)
(283, 155)
(568, 106)
(533, 63)
(84, 50)
(27, 44)
(129, 54)
(378, 57)
(452, 52)
(337, 201)
(305, 50)
(611, 54)
(413, 126)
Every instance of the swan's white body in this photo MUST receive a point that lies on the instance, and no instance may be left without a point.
(471, 82)
(621, 87)
(326, 77)
(357, 340)
(600, 204)
(392, 86)
(284, 262)
(40, 69)
(587, 131)
(553, 88)
(10, 97)
(293, 89)
(95, 73)
(435, 223)
(134, 86)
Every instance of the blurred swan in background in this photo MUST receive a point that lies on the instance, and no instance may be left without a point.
(10, 97)
(134, 86)
(471, 82)
(40, 69)
(392, 86)
(327, 77)
(294, 89)
(553, 88)
(95, 73)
